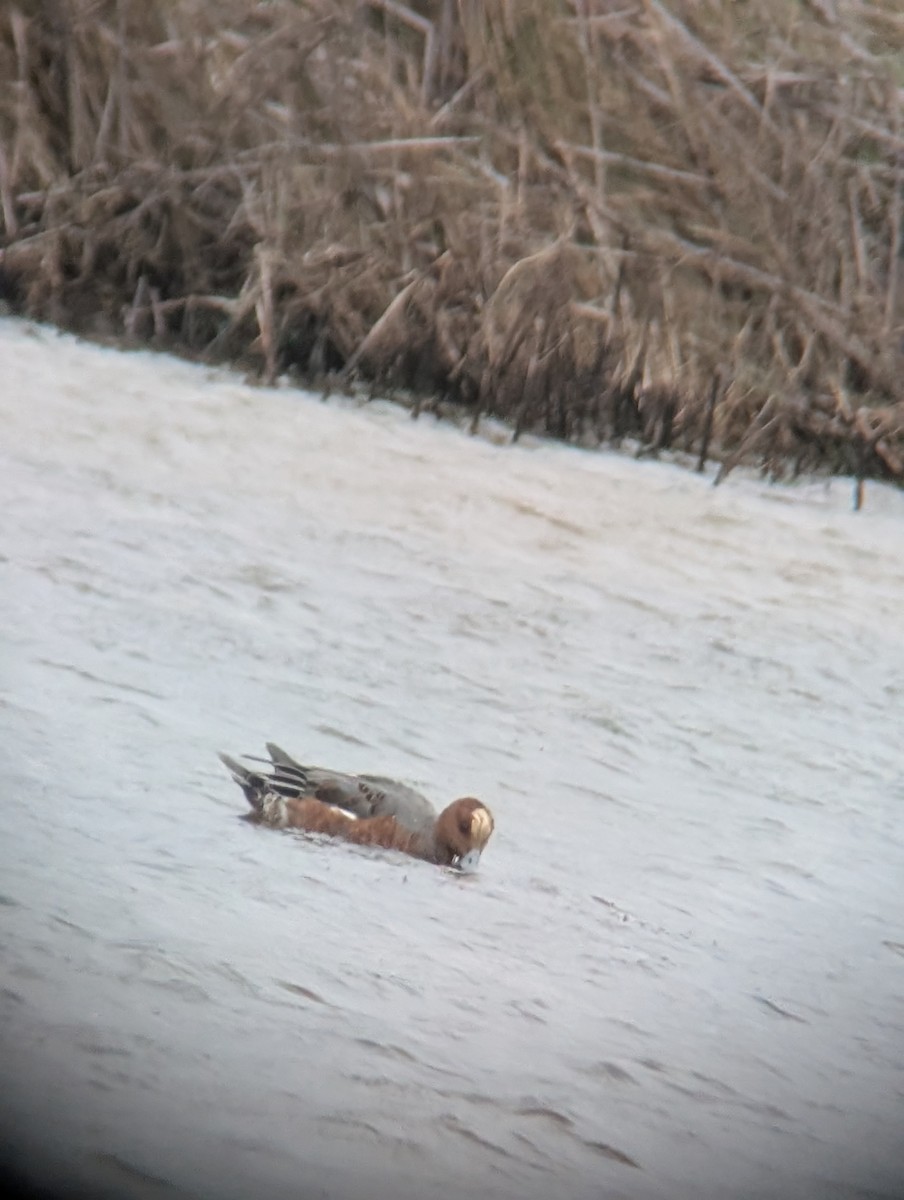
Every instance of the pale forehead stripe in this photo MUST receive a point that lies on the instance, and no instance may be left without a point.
(481, 824)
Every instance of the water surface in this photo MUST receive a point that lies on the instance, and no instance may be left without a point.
(680, 970)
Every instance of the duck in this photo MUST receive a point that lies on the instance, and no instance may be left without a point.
(370, 810)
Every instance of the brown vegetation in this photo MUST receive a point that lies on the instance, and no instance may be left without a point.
(673, 221)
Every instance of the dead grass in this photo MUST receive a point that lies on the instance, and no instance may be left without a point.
(674, 222)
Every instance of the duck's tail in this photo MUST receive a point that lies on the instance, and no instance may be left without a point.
(253, 783)
(284, 781)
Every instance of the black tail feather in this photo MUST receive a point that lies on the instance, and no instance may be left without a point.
(252, 783)
(285, 778)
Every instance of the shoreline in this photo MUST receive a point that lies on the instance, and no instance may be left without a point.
(606, 227)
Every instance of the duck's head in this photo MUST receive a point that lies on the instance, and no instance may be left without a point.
(462, 831)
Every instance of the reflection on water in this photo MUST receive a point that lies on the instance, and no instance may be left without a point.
(679, 970)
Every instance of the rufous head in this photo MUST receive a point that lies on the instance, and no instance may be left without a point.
(462, 831)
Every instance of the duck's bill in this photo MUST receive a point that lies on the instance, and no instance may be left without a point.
(469, 861)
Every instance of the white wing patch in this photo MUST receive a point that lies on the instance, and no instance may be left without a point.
(337, 808)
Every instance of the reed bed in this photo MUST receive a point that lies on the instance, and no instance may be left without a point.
(676, 224)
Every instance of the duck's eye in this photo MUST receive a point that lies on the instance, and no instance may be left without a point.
(464, 826)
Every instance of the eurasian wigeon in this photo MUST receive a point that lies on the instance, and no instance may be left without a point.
(368, 809)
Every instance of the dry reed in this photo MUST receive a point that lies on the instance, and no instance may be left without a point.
(677, 223)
